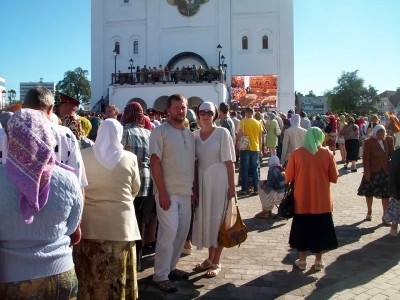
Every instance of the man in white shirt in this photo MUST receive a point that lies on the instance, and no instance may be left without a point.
(172, 159)
(112, 112)
(67, 149)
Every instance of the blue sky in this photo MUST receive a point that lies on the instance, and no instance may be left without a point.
(45, 38)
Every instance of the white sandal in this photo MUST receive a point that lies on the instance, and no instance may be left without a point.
(319, 265)
(204, 266)
(214, 270)
(301, 264)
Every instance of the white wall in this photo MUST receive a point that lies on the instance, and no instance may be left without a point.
(163, 33)
(120, 95)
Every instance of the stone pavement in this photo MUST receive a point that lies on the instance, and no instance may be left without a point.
(364, 266)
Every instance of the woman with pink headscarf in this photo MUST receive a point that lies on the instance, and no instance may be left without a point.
(41, 205)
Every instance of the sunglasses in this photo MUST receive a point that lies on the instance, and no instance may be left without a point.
(203, 113)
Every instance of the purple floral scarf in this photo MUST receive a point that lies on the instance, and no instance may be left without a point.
(30, 162)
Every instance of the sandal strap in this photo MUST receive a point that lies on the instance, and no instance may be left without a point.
(179, 273)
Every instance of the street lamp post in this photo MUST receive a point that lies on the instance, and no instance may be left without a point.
(3, 98)
(219, 48)
(115, 52)
(224, 67)
(11, 95)
(131, 67)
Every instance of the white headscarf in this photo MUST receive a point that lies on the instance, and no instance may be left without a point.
(207, 105)
(295, 120)
(274, 161)
(108, 149)
(375, 131)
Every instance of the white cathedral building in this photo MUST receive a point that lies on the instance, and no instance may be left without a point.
(208, 50)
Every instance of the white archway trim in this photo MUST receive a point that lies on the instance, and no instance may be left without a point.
(270, 36)
(114, 40)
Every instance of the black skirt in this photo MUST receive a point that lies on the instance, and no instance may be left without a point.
(313, 232)
(377, 187)
(352, 150)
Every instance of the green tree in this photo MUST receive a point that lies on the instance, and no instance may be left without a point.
(350, 95)
(76, 84)
(311, 94)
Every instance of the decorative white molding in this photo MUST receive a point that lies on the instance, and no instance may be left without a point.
(188, 30)
(239, 16)
(126, 23)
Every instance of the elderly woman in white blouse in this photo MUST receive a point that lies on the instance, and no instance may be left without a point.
(105, 259)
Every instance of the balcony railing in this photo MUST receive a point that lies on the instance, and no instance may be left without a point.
(153, 77)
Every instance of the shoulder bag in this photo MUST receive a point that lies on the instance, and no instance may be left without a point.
(244, 141)
(286, 208)
(237, 233)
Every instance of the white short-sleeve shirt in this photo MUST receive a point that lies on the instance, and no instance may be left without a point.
(176, 150)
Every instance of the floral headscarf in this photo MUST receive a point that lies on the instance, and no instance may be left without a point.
(73, 122)
(31, 159)
(274, 161)
(313, 139)
(133, 114)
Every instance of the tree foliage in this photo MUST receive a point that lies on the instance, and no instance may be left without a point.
(76, 84)
(351, 96)
(311, 94)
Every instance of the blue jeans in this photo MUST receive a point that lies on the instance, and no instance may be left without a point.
(249, 160)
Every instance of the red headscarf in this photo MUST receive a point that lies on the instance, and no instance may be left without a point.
(147, 123)
(133, 114)
(360, 121)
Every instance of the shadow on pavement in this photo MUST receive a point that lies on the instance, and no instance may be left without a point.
(372, 260)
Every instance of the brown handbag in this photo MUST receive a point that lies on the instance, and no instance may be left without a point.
(235, 235)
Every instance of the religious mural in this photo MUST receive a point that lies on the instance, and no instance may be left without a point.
(188, 8)
(254, 91)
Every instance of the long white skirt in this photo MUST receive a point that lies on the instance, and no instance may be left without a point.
(213, 190)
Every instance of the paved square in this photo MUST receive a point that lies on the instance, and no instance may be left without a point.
(364, 266)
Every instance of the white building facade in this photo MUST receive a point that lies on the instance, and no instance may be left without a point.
(256, 38)
(314, 105)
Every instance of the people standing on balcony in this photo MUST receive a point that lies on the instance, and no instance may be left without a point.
(172, 145)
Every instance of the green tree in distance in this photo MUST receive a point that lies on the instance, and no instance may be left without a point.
(76, 84)
(350, 95)
(311, 94)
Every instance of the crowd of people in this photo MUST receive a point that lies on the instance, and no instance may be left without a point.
(188, 74)
(82, 196)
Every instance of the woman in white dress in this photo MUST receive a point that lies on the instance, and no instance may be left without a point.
(215, 154)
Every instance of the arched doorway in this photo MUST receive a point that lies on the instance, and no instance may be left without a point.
(140, 101)
(192, 101)
(161, 103)
(186, 58)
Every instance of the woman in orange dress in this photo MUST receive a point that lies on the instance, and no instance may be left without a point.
(312, 168)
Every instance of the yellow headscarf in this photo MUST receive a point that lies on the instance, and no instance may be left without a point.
(86, 126)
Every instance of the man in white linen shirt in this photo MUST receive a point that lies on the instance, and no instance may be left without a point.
(67, 149)
(172, 159)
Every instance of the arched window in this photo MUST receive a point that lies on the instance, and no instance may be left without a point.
(265, 42)
(245, 43)
(116, 48)
(135, 47)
